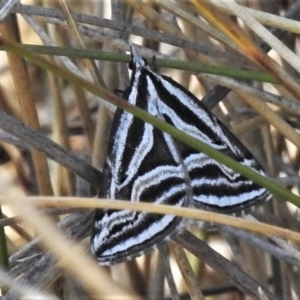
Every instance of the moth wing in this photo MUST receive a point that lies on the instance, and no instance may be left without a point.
(215, 186)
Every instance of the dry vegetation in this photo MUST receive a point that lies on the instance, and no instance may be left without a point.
(254, 94)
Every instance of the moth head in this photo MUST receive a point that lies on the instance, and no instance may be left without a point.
(137, 62)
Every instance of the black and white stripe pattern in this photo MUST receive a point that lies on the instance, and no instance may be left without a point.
(145, 163)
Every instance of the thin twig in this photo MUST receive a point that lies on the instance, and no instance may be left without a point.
(219, 263)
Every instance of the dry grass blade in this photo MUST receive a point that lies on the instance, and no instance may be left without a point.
(27, 106)
(95, 74)
(189, 213)
(288, 104)
(187, 273)
(198, 22)
(247, 46)
(6, 9)
(60, 133)
(261, 31)
(263, 17)
(164, 253)
(215, 260)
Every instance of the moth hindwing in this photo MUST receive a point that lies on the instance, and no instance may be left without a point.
(146, 164)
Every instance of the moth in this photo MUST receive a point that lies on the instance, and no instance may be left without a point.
(144, 163)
